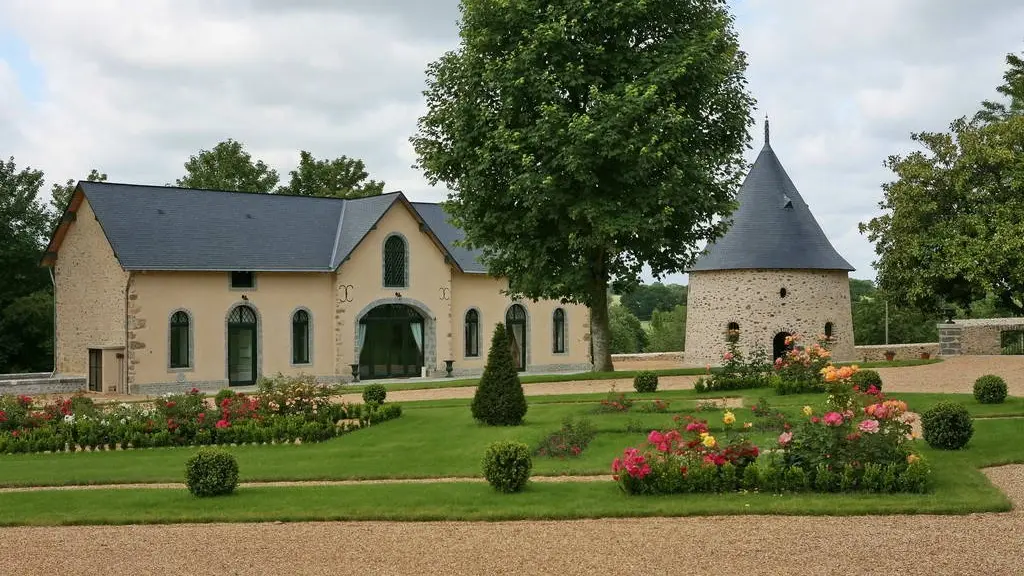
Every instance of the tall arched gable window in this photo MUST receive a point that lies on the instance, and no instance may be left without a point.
(300, 337)
(558, 331)
(472, 334)
(179, 352)
(396, 273)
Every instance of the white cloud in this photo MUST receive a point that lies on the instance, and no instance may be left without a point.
(134, 88)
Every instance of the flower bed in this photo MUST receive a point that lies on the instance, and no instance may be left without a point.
(283, 410)
(570, 440)
(862, 442)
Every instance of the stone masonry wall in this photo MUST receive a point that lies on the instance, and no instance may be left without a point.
(876, 353)
(89, 295)
(752, 299)
(976, 336)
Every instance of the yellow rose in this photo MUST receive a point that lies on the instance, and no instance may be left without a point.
(703, 435)
(729, 418)
(911, 458)
(808, 411)
(709, 441)
(748, 424)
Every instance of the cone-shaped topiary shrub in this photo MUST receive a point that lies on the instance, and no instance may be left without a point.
(947, 426)
(211, 472)
(990, 389)
(507, 465)
(499, 398)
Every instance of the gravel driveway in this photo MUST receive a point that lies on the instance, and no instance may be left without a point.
(927, 545)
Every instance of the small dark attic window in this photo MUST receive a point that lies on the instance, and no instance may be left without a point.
(243, 280)
(782, 292)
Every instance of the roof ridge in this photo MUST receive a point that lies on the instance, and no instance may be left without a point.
(221, 191)
(337, 234)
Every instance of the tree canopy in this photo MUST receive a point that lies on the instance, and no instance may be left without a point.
(228, 167)
(60, 194)
(953, 227)
(582, 140)
(342, 177)
(644, 299)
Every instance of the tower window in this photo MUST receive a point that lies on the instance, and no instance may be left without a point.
(782, 292)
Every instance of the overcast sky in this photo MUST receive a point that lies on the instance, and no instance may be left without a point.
(134, 87)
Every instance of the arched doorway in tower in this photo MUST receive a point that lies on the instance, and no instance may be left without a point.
(779, 346)
(391, 342)
(515, 324)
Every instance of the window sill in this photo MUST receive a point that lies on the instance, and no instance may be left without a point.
(181, 370)
(300, 364)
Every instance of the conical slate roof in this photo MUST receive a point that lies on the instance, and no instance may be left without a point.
(773, 227)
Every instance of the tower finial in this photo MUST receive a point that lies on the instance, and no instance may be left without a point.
(767, 140)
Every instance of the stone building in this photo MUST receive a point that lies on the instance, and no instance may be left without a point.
(771, 275)
(160, 288)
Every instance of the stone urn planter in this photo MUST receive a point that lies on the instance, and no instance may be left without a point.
(889, 355)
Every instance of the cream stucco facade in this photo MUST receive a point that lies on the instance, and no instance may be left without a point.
(127, 314)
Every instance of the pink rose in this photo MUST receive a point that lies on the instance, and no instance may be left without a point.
(868, 426)
(785, 438)
(833, 419)
(727, 356)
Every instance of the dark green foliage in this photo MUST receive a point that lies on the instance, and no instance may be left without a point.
(990, 389)
(645, 381)
(668, 330)
(627, 334)
(228, 166)
(507, 465)
(570, 440)
(499, 398)
(867, 378)
(342, 177)
(644, 299)
(550, 118)
(375, 393)
(223, 394)
(211, 472)
(947, 425)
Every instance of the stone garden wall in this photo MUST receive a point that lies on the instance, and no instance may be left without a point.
(39, 383)
(876, 353)
(976, 337)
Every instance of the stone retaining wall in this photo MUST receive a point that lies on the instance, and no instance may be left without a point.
(876, 353)
(40, 383)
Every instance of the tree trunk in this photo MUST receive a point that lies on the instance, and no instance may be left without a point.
(600, 331)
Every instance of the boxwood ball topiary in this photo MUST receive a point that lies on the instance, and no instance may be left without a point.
(375, 393)
(211, 472)
(645, 381)
(947, 426)
(990, 389)
(507, 465)
(866, 379)
(499, 398)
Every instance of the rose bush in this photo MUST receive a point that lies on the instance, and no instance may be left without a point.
(289, 410)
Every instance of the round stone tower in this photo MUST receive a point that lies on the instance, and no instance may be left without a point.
(772, 274)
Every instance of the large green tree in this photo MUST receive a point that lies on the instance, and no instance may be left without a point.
(668, 330)
(342, 177)
(582, 140)
(952, 231)
(24, 286)
(228, 167)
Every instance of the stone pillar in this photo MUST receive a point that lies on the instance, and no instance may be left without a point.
(950, 340)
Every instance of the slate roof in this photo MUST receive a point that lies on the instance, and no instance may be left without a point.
(772, 228)
(169, 228)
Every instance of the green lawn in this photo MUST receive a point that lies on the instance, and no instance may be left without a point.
(435, 439)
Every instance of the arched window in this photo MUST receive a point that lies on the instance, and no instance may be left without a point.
(395, 263)
(732, 332)
(180, 326)
(472, 335)
(558, 332)
(828, 330)
(300, 337)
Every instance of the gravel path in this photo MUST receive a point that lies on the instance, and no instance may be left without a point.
(927, 545)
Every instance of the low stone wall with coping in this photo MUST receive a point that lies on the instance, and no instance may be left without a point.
(40, 383)
(876, 353)
(976, 337)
